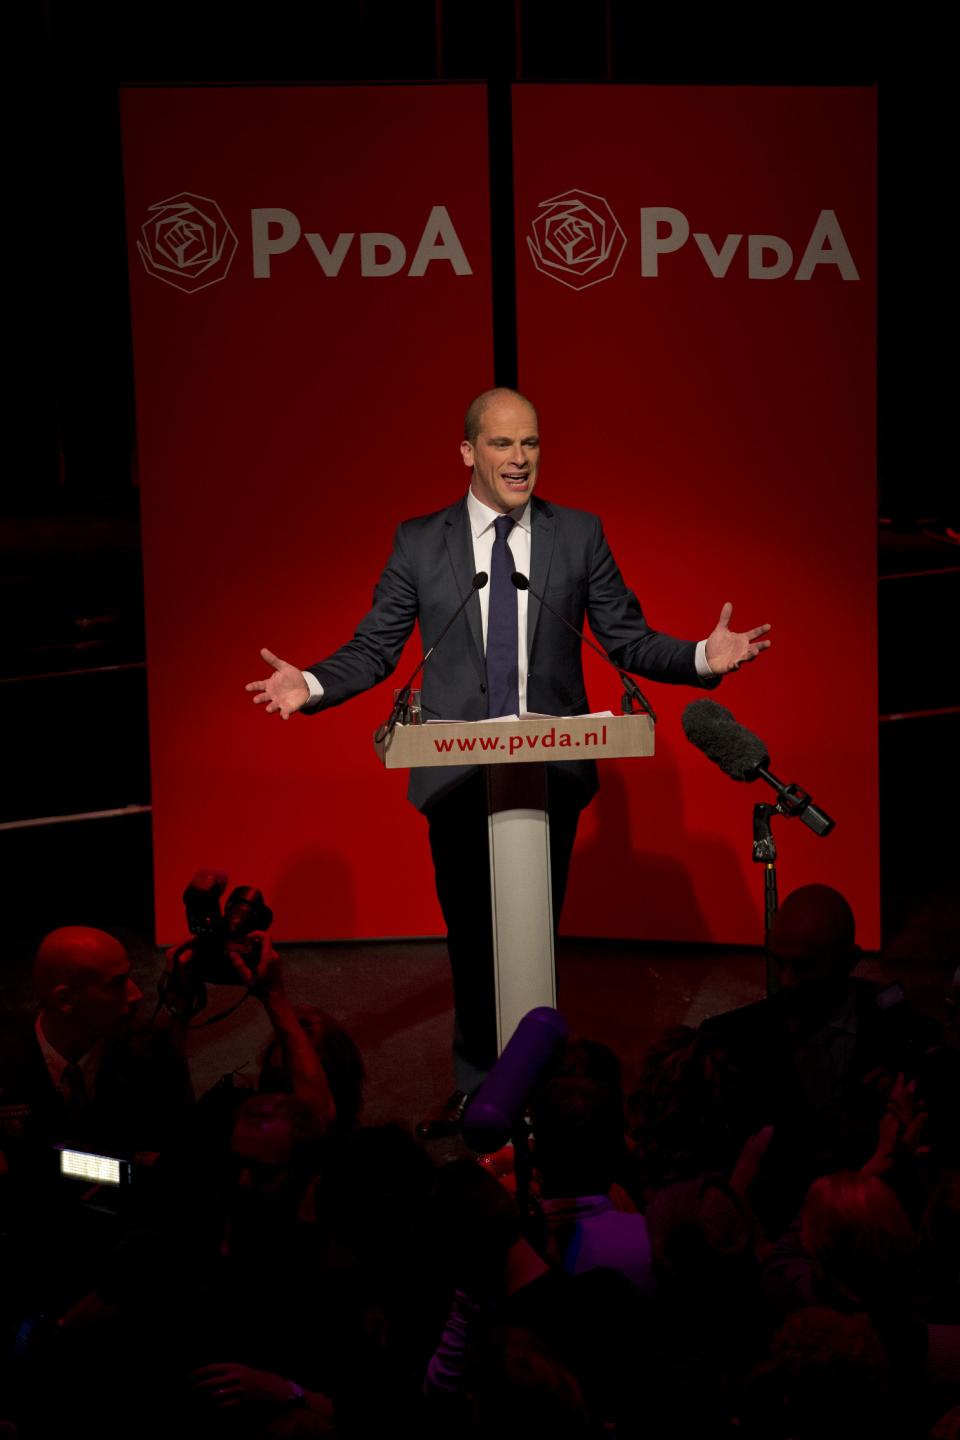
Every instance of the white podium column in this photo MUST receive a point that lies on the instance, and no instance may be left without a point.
(524, 971)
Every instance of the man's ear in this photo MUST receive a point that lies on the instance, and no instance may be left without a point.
(63, 999)
(466, 450)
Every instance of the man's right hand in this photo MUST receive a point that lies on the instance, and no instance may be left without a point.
(284, 692)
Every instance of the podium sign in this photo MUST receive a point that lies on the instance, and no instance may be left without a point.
(535, 738)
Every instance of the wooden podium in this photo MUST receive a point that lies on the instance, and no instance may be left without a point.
(515, 753)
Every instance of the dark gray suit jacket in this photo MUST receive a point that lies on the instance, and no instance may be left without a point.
(431, 569)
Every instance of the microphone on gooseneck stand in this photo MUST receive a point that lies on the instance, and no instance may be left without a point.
(631, 689)
(743, 756)
(400, 704)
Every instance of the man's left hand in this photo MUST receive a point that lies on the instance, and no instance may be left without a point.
(729, 649)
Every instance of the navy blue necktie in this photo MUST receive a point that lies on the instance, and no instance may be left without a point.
(503, 680)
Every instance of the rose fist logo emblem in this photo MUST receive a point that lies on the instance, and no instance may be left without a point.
(576, 239)
(187, 242)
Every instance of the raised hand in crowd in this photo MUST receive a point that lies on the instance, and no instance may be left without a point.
(900, 1130)
(258, 966)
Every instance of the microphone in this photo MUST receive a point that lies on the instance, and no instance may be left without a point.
(528, 1056)
(712, 728)
(400, 704)
(744, 757)
(632, 690)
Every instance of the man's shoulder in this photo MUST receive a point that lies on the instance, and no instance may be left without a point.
(564, 514)
(546, 514)
(885, 1012)
(424, 524)
(540, 510)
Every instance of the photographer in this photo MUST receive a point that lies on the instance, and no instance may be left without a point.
(202, 1166)
(230, 946)
(301, 1065)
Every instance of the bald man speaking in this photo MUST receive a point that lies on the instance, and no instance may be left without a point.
(505, 655)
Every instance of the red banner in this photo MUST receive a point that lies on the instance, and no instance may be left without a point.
(696, 292)
(311, 310)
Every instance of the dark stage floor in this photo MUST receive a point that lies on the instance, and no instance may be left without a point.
(395, 999)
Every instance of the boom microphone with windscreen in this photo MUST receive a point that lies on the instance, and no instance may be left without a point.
(743, 756)
(712, 728)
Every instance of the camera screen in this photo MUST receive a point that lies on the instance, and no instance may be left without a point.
(81, 1165)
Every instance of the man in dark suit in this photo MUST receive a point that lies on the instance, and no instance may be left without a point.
(818, 1059)
(506, 655)
(78, 1073)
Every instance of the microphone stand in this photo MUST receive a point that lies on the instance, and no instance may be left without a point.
(714, 731)
(765, 854)
(632, 693)
(400, 704)
(631, 690)
(794, 804)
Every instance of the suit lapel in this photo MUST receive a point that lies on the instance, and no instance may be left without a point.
(542, 532)
(459, 541)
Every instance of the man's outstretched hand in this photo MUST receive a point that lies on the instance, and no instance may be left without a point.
(729, 649)
(285, 691)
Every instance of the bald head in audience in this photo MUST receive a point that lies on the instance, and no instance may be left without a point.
(813, 937)
(82, 980)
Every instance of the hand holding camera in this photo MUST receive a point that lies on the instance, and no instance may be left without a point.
(257, 965)
(225, 948)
